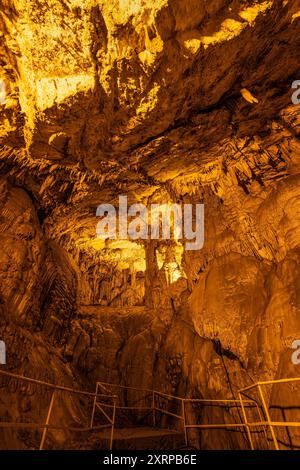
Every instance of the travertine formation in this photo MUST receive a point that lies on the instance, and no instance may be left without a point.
(186, 101)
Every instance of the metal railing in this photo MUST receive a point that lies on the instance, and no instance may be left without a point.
(100, 406)
(227, 404)
(182, 415)
(268, 423)
(55, 389)
(110, 399)
(153, 396)
(244, 403)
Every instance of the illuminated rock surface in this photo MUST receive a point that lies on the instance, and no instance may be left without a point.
(163, 101)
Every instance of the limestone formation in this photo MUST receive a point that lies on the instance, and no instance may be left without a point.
(165, 101)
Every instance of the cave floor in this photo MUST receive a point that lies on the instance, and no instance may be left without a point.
(140, 438)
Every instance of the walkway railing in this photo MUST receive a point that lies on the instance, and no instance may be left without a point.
(109, 398)
(243, 404)
(268, 423)
(55, 389)
(181, 415)
(240, 424)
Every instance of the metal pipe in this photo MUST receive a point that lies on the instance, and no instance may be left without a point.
(266, 410)
(264, 427)
(94, 406)
(169, 413)
(270, 382)
(47, 421)
(207, 400)
(184, 422)
(52, 386)
(246, 422)
(105, 414)
(222, 425)
(153, 409)
(113, 426)
(6, 425)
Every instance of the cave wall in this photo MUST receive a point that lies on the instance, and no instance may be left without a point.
(184, 101)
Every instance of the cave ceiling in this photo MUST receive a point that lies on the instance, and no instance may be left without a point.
(159, 100)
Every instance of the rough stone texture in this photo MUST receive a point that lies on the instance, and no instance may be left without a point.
(183, 101)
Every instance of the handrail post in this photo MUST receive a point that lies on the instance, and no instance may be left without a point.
(266, 410)
(246, 421)
(47, 421)
(153, 409)
(262, 419)
(184, 421)
(94, 406)
(113, 425)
